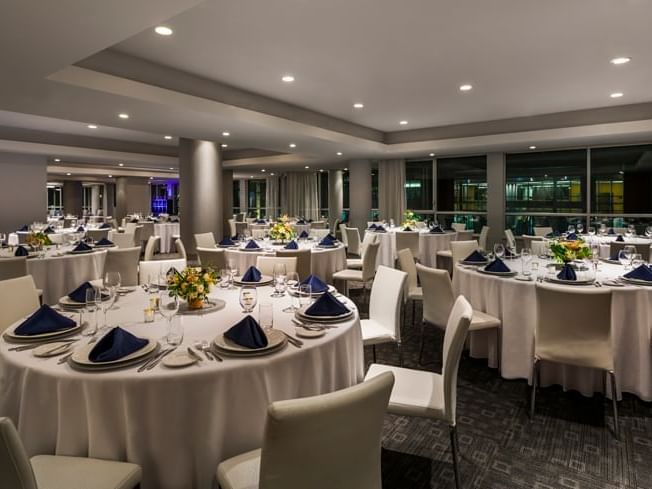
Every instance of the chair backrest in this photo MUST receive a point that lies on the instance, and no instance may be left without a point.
(511, 240)
(232, 229)
(181, 249)
(642, 248)
(343, 430)
(18, 298)
(212, 258)
(240, 228)
(458, 226)
(266, 264)
(319, 233)
(13, 267)
(461, 249)
(542, 230)
(304, 263)
(408, 239)
(386, 298)
(205, 240)
(369, 261)
(457, 328)
(344, 236)
(147, 230)
(130, 227)
(589, 325)
(438, 297)
(153, 244)
(151, 270)
(97, 234)
(482, 240)
(406, 263)
(15, 466)
(123, 240)
(124, 261)
(353, 240)
(318, 225)
(367, 240)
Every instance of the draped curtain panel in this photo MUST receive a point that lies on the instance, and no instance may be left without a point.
(301, 195)
(272, 192)
(391, 189)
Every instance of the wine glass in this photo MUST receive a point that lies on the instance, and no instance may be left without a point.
(266, 315)
(648, 231)
(233, 267)
(499, 250)
(526, 257)
(91, 310)
(629, 232)
(292, 283)
(580, 227)
(637, 260)
(279, 280)
(630, 251)
(623, 258)
(304, 292)
(225, 278)
(248, 298)
(168, 306)
(603, 229)
(591, 231)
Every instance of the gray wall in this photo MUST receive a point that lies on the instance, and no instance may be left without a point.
(359, 193)
(132, 195)
(23, 196)
(72, 197)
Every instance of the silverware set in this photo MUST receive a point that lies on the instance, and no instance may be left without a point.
(31, 346)
(292, 340)
(313, 326)
(156, 359)
(204, 347)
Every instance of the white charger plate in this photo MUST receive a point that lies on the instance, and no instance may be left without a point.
(179, 359)
(635, 281)
(555, 280)
(264, 280)
(498, 274)
(275, 339)
(323, 319)
(309, 333)
(52, 349)
(11, 336)
(80, 357)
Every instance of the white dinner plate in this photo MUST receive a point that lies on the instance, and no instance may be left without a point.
(275, 340)
(340, 317)
(293, 291)
(475, 263)
(309, 333)
(83, 252)
(555, 280)
(11, 336)
(210, 305)
(80, 357)
(635, 281)
(67, 302)
(259, 249)
(498, 274)
(178, 359)
(264, 280)
(52, 349)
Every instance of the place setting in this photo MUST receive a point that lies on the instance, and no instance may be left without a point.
(253, 277)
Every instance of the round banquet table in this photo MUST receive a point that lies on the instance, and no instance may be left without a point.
(58, 273)
(429, 245)
(166, 230)
(324, 262)
(514, 302)
(178, 424)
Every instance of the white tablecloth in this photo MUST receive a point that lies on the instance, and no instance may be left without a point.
(177, 424)
(429, 245)
(166, 231)
(515, 303)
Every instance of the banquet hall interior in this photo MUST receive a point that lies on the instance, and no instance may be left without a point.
(346, 244)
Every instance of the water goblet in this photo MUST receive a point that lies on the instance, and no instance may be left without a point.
(266, 315)
(499, 250)
(279, 279)
(571, 228)
(591, 231)
(648, 231)
(91, 310)
(291, 284)
(248, 298)
(637, 260)
(580, 228)
(623, 258)
(168, 306)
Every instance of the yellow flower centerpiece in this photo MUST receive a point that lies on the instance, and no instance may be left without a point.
(38, 240)
(193, 285)
(282, 231)
(567, 251)
(409, 219)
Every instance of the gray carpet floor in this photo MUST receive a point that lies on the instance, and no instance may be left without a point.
(568, 444)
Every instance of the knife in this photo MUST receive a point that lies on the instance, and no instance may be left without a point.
(194, 354)
(161, 357)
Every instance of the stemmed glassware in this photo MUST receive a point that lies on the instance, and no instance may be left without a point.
(591, 231)
(499, 250)
(233, 267)
(111, 286)
(630, 231)
(248, 298)
(168, 307)
(526, 258)
(280, 275)
(292, 283)
(580, 227)
(90, 309)
(648, 231)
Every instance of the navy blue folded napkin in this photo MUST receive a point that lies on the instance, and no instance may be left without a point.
(643, 272)
(497, 266)
(44, 320)
(105, 225)
(304, 234)
(24, 228)
(509, 253)
(81, 229)
(309, 221)
(116, 344)
(79, 294)
(614, 257)
(251, 275)
(82, 247)
(104, 242)
(252, 245)
(373, 226)
(49, 230)
(476, 256)
(327, 305)
(436, 230)
(571, 237)
(567, 273)
(21, 251)
(134, 221)
(292, 245)
(301, 222)
(407, 228)
(327, 240)
(247, 333)
(260, 221)
(317, 286)
(611, 231)
(381, 229)
(620, 238)
(227, 241)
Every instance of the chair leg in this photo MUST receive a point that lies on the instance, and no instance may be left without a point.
(373, 347)
(421, 349)
(535, 381)
(499, 344)
(400, 354)
(614, 401)
(454, 450)
(414, 312)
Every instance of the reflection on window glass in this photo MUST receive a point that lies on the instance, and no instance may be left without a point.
(462, 184)
(621, 179)
(322, 178)
(256, 198)
(236, 196)
(418, 185)
(471, 222)
(374, 190)
(552, 181)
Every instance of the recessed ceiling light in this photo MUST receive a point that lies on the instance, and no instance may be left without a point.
(92, 126)
(226, 134)
(306, 167)
(339, 153)
(271, 174)
(171, 168)
(287, 78)
(616, 94)
(110, 176)
(321, 170)
(292, 145)
(533, 147)
(466, 87)
(224, 145)
(123, 116)
(358, 106)
(167, 137)
(621, 60)
(263, 170)
(57, 160)
(68, 174)
(403, 123)
(163, 30)
(251, 176)
(121, 164)
(431, 154)
(151, 178)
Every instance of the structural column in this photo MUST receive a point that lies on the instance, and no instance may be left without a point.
(201, 189)
(495, 198)
(335, 195)
(243, 196)
(359, 193)
(227, 193)
(95, 199)
(72, 197)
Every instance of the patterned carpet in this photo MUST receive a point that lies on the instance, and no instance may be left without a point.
(568, 444)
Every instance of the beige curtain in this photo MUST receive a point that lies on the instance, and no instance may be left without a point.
(391, 189)
(300, 195)
(272, 197)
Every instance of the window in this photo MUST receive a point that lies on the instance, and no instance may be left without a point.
(256, 198)
(374, 191)
(55, 201)
(418, 185)
(236, 196)
(462, 184)
(322, 179)
(165, 198)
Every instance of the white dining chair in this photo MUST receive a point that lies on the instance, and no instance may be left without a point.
(122, 240)
(438, 301)
(641, 248)
(368, 239)
(413, 292)
(150, 270)
(363, 276)
(353, 240)
(542, 230)
(460, 250)
(427, 394)
(13, 267)
(18, 471)
(408, 240)
(130, 227)
(214, 258)
(205, 240)
(181, 249)
(125, 262)
(583, 341)
(304, 260)
(458, 226)
(146, 231)
(232, 229)
(531, 242)
(482, 239)
(152, 246)
(384, 323)
(510, 239)
(336, 437)
(97, 234)
(319, 233)
(343, 235)
(18, 298)
(266, 264)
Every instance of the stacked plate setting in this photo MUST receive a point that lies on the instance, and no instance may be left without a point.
(79, 359)
(264, 280)
(67, 303)
(302, 316)
(276, 341)
(38, 338)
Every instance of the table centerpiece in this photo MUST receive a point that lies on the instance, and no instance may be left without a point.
(38, 240)
(409, 219)
(282, 232)
(193, 285)
(565, 252)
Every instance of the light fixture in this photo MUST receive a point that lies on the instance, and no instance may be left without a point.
(533, 147)
(92, 126)
(123, 115)
(68, 174)
(339, 153)
(431, 154)
(226, 133)
(403, 123)
(163, 30)
(271, 174)
(287, 78)
(251, 176)
(466, 87)
(110, 176)
(121, 164)
(171, 168)
(167, 137)
(321, 170)
(57, 160)
(292, 145)
(358, 106)
(151, 178)
(346, 169)
(621, 60)
(306, 167)
(616, 94)
(224, 145)
(263, 170)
